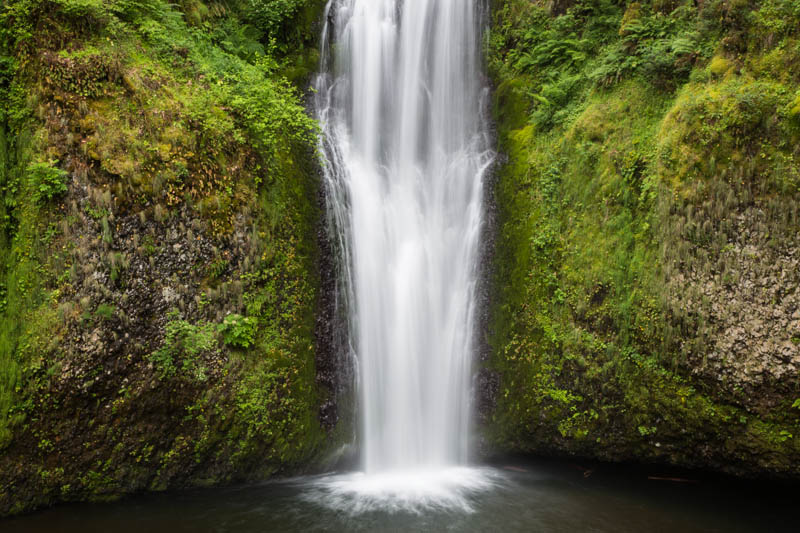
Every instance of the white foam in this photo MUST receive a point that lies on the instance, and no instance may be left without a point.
(413, 491)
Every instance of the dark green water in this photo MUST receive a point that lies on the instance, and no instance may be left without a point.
(528, 496)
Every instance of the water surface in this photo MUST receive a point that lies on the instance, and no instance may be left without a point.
(529, 496)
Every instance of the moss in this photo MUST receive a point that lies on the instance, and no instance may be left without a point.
(511, 105)
(157, 120)
(794, 110)
(719, 66)
(594, 355)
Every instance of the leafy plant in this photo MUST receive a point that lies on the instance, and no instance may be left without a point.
(46, 180)
(566, 52)
(274, 14)
(183, 343)
(238, 331)
(552, 102)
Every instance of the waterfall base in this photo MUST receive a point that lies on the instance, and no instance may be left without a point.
(414, 490)
(522, 495)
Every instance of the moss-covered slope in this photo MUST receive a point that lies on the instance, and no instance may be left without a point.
(647, 284)
(158, 254)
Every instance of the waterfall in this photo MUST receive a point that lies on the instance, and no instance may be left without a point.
(399, 99)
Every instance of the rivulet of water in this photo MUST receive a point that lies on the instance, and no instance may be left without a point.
(406, 149)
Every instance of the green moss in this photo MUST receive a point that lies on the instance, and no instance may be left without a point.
(719, 66)
(590, 357)
(794, 110)
(166, 113)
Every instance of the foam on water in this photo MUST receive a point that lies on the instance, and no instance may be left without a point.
(406, 490)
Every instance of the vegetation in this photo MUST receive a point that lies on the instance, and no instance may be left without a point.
(182, 344)
(46, 181)
(158, 220)
(239, 331)
(157, 245)
(651, 180)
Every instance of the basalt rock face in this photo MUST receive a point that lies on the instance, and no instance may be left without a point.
(647, 283)
(752, 303)
(160, 268)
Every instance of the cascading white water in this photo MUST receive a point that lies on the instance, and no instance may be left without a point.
(399, 100)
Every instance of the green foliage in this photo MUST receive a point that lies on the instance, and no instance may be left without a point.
(776, 20)
(569, 52)
(268, 414)
(595, 44)
(7, 68)
(794, 110)
(238, 331)
(46, 180)
(273, 14)
(84, 73)
(133, 67)
(552, 103)
(661, 48)
(180, 113)
(105, 311)
(645, 431)
(183, 344)
(615, 126)
(217, 268)
(288, 24)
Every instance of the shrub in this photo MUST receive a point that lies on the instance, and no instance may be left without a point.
(183, 342)
(272, 13)
(46, 180)
(239, 331)
(552, 103)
